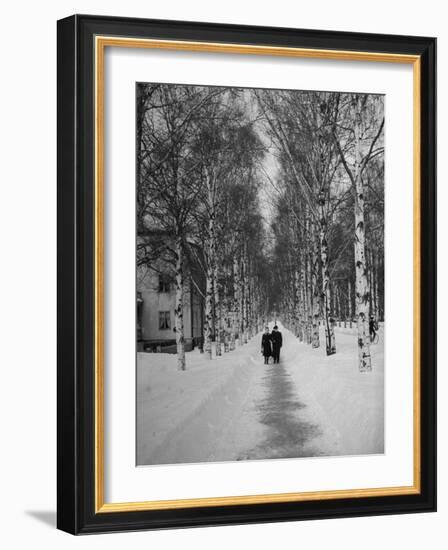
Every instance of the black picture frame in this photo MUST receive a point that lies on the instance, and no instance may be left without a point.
(76, 286)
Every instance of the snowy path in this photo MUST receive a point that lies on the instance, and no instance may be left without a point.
(236, 408)
(287, 434)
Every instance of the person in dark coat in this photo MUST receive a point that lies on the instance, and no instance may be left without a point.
(373, 327)
(266, 347)
(277, 341)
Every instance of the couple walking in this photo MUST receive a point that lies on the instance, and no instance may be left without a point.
(271, 344)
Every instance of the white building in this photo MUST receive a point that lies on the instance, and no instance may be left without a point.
(156, 299)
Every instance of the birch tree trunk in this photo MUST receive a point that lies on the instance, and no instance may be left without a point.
(208, 321)
(368, 255)
(309, 282)
(372, 287)
(375, 290)
(227, 328)
(179, 307)
(249, 301)
(338, 303)
(296, 304)
(303, 312)
(225, 308)
(242, 301)
(316, 302)
(350, 310)
(373, 284)
(302, 296)
(246, 296)
(333, 297)
(345, 310)
(236, 304)
(218, 310)
(361, 282)
(329, 330)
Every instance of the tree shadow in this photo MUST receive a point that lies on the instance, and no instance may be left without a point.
(288, 436)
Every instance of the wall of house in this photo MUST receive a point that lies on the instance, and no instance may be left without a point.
(155, 302)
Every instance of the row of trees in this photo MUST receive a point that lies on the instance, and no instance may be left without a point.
(329, 216)
(198, 206)
(201, 158)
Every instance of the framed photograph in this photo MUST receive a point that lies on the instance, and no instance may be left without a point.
(246, 274)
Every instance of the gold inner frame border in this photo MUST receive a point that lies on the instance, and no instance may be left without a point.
(100, 44)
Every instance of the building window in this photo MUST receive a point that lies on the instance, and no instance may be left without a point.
(164, 283)
(164, 320)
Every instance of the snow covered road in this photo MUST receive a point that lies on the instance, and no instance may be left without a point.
(236, 408)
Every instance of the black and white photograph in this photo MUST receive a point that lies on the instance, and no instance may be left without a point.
(221, 247)
(259, 273)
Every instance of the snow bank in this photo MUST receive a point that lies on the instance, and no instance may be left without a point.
(235, 408)
(348, 405)
(187, 416)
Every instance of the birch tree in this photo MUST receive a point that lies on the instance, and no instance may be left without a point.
(167, 189)
(200, 154)
(226, 147)
(357, 146)
(301, 127)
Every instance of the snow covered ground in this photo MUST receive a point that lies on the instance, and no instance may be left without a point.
(236, 408)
